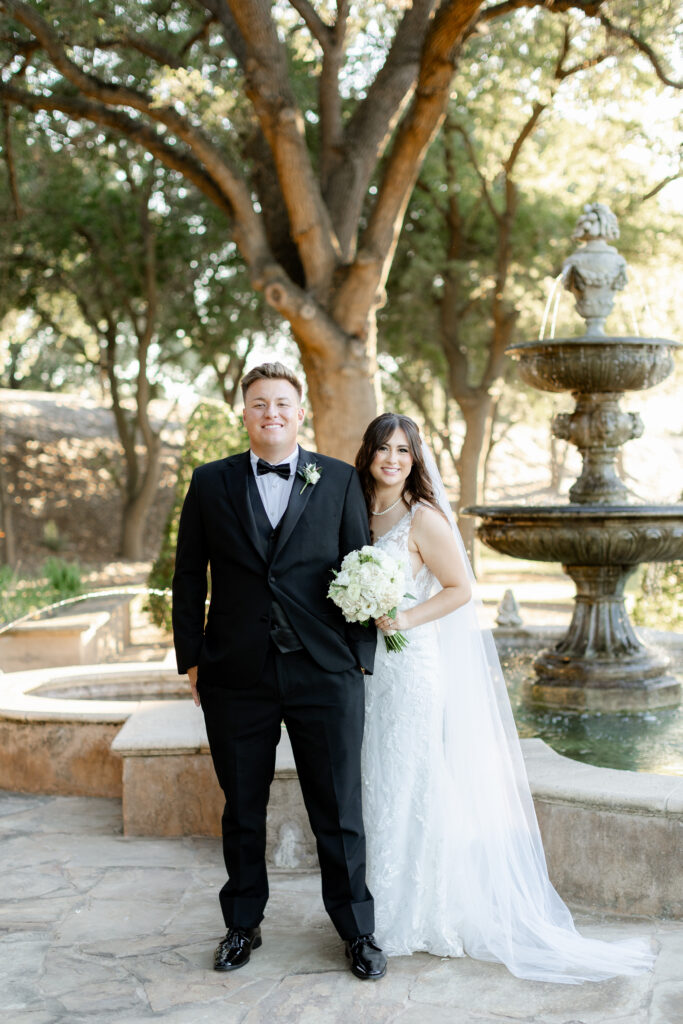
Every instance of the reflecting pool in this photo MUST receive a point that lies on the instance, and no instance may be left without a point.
(643, 741)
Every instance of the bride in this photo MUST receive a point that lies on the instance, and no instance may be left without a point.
(455, 859)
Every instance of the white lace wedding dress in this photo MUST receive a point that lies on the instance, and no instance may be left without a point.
(454, 856)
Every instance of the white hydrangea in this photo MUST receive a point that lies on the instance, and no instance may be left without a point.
(370, 583)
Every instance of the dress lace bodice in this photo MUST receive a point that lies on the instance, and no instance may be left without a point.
(395, 542)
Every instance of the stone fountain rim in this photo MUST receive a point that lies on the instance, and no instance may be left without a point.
(574, 510)
(597, 340)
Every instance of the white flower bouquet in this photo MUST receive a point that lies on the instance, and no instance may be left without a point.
(370, 583)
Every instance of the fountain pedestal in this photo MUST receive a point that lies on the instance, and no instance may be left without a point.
(601, 664)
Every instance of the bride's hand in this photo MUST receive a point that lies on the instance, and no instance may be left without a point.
(388, 625)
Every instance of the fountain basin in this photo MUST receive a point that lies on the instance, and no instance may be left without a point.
(591, 535)
(57, 724)
(600, 664)
(592, 365)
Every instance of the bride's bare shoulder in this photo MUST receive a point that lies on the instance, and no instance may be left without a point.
(429, 521)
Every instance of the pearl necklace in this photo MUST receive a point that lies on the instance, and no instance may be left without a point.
(384, 511)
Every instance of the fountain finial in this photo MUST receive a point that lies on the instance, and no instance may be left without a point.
(596, 221)
(595, 271)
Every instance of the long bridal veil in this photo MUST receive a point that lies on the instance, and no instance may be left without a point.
(504, 905)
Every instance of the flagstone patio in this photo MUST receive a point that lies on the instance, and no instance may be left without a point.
(98, 927)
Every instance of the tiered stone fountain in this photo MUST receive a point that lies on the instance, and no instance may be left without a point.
(599, 537)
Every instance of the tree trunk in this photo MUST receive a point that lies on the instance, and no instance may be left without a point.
(136, 509)
(343, 398)
(6, 522)
(478, 415)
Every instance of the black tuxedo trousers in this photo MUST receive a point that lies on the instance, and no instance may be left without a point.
(249, 688)
(325, 727)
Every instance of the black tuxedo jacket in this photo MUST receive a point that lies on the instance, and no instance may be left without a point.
(217, 528)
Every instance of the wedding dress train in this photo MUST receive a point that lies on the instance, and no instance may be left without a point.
(454, 853)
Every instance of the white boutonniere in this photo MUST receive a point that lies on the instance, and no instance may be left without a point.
(311, 473)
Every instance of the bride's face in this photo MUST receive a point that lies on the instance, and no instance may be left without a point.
(392, 462)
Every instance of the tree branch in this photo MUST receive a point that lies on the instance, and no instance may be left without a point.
(485, 191)
(526, 131)
(151, 292)
(591, 8)
(137, 131)
(220, 12)
(310, 323)
(367, 275)
(8, 154)
(248, 227)
(584, 65)
(314, 23)
(329, 100)
(658, 188)
(643, 47)
(269, 89)
(76, 343)
(370, 128)
(159, 54)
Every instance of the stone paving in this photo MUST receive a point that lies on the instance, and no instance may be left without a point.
(95, 927)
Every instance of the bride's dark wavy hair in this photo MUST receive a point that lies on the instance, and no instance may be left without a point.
(418, 485)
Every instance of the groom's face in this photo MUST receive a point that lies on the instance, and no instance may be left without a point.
(272, 414)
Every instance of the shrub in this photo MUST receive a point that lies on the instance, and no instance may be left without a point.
(51, 536)
(63, 577)
(20, 596)
(660, 602)
(214, 430)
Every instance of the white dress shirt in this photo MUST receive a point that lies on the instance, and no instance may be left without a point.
(275, 490)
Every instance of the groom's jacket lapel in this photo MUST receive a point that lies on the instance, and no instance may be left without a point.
(235, 476)
(298, 500)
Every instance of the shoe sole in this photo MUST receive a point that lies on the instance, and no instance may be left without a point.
(256, 944)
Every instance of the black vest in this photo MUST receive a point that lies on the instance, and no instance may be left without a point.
(281, 632)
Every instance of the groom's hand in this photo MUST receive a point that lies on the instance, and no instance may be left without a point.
(192, 675)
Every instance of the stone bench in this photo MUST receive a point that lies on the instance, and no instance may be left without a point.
(612, 838)
(86, 638)
(52, 643)
(170, 789)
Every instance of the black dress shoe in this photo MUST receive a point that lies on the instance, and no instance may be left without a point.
(235, 949)
(368, 962)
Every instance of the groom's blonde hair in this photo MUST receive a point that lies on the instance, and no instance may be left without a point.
(271, 371)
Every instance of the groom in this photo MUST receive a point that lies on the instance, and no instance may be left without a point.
(271, 524)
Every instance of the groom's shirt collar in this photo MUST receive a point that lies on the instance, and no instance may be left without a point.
(274, 491)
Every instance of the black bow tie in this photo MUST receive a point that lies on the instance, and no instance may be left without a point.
(282, 470)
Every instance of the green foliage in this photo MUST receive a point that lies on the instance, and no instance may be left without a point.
(214, 431)
(659, 605)
(52, 538)
(57, 581)
(63, 577)
(98, 212)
